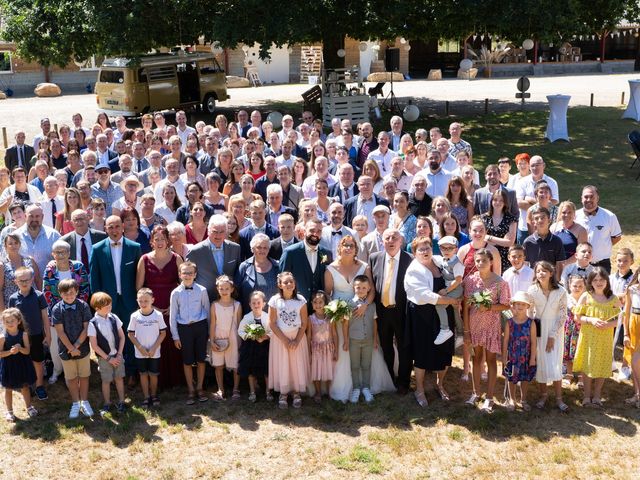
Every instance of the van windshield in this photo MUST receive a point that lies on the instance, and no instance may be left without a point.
(112, 76)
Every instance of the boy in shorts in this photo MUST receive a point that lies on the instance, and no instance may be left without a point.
(33, 307)
(107, 341)
(71, 318)
(147, 331)
(189, 324)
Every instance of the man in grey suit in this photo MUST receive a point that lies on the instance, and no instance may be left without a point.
(372, 242)
(215, 256)
(83, 238)
(482, 196)
(20, 154)
(291, 194)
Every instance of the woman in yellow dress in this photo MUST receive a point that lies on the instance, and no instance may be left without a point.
(632, 335)
(597, 312)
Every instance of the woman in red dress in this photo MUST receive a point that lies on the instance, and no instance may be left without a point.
(158, 270)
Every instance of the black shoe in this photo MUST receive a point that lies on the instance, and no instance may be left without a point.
(41, 393)
(402, 390)
(121, 407)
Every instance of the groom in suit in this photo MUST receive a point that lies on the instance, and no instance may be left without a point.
(113, 265)
(215, 256)
(388, 269)
(307, 261)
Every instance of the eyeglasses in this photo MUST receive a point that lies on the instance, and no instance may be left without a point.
(447, 247)
(423, 250)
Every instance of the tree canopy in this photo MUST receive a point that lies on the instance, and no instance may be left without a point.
(52, 33)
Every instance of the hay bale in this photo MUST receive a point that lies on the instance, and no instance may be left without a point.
(467, 74)
(3, 96)
(237, 82)
(47, 90)
(385, 77)
(435, 74)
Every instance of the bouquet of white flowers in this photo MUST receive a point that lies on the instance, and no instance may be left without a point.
(481, 299)
(338, 311)
(254, 331)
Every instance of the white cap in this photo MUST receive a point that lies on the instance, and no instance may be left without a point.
(448, 240)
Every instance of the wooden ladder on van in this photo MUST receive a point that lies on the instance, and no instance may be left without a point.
(254, 78)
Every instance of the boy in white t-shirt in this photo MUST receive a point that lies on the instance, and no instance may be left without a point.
(147, 330)
(519, 276)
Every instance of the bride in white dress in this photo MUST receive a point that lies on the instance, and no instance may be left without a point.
(338, 280)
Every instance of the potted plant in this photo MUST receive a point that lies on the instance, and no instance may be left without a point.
(487, 58)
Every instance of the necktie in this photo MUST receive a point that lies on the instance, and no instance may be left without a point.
(313, 260)
(139, 166)
(346, 193)
(386, 288)
(84, 254)
(54, 210)
(21, 156)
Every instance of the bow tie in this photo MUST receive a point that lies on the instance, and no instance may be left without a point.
(516, 272)
(70, 307)
(337, 232)
(580, 269)
(188, 288)
(116, 244)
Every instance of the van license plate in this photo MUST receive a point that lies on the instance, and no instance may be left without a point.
(112, 102)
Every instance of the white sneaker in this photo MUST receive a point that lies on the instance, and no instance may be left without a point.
(624, 373)
(85, 408)
(368, 396)
(53, 379)
(459, 341)
(443, 336)
(75, 410)
(355, 395)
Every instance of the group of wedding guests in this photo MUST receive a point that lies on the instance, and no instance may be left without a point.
(228, 245)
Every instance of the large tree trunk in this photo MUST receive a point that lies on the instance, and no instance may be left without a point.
(330, 46)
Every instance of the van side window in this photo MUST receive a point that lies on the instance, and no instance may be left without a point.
(142, 75)
(157, 74)
(112, 76)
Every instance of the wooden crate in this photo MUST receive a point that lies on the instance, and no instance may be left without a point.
(353, 107)
(310, 62)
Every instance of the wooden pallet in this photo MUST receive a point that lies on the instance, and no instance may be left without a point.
(353, 107)
(310, 62)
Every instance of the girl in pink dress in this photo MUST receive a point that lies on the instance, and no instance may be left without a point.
(324, 344)
(225, 316)
(482, 328)
(289, 350)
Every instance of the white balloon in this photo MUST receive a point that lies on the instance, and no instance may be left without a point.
(466, 64)
(527, 44)
(407, 47)
(363, 46)
(216, 49)
(276, 119)
(403, 40)
(411, 113)
(341, 53)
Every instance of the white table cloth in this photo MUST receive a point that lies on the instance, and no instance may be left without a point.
(633, 108)
(557, 124)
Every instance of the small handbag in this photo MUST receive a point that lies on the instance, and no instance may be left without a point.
(223, 343)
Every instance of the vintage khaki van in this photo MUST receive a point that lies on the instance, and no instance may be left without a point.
(134, 86)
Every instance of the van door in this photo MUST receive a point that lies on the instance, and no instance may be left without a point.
(188, 82)
(163, 87)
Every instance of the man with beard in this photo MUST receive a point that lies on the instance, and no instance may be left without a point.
(369, 143)
(437, 178)
(307, 261)
(602, 227)
(332, 234)
(482, 196)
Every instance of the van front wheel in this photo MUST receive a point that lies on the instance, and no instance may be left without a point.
(209, 104)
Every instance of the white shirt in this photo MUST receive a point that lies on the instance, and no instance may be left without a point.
(165, 212)
(116, 257)
(418, 282)
(309, 185)
(601, 227)
(312, 256)
(436, 182)
(280, 160)
(47, 209)
(403, 183)
(518, 280)
(476, 176)
(383, 159)
(525, 187)
(104, 325)
(183, 134)
(147, 329)
(87, 242)
(394, 275)
(366, 208)
(179, 186)
(449, 163)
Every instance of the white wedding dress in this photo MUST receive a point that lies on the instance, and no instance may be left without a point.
(341, 386)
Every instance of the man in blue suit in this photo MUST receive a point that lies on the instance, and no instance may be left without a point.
(258, 225)
(363, 203)
(114, 261)
(307, 261)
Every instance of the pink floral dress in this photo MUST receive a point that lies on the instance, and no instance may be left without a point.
(485, 327)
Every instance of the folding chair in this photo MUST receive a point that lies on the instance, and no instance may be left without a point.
(634, 141)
